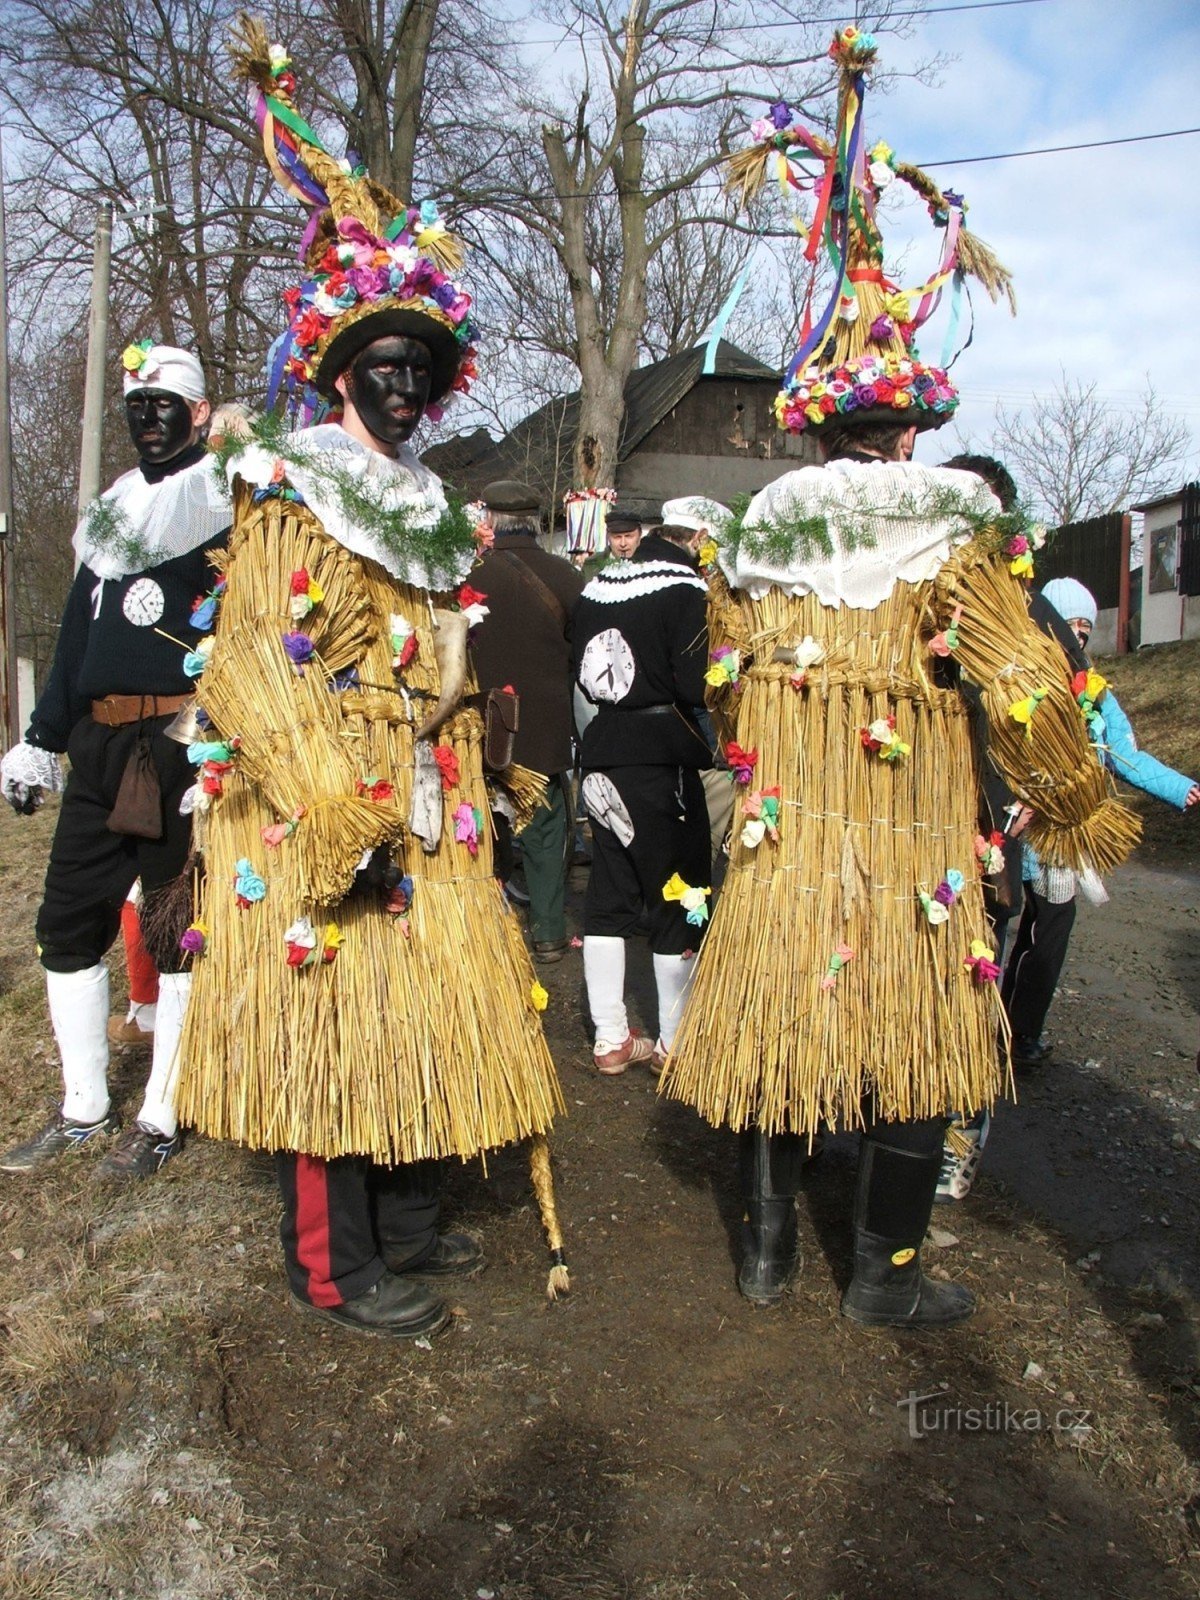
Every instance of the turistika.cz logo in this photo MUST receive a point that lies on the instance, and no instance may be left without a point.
(935, 1413)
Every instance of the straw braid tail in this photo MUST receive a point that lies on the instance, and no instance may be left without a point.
(559, 1281)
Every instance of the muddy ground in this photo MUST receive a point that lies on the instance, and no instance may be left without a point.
(172, 1428)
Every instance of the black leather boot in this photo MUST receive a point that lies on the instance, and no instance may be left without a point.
(897, 1179)
(769, 1168)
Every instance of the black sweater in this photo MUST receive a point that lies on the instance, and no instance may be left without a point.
(640, 651)
(108, 643)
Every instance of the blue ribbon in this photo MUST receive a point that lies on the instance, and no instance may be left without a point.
(723, 316)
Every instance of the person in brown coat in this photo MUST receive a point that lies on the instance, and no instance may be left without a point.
(525, 641)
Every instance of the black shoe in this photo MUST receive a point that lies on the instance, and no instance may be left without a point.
(455, 1255)
(140, 1152)
(885, 1295)
(393, 1307)
(58, 1136)
(1027, 1052)
(548, 951)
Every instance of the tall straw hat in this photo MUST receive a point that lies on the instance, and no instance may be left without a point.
(857, 358)
(374, 265)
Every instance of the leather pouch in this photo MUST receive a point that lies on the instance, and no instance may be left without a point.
(138, 812)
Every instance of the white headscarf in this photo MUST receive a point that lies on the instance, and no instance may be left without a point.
(696, 511)
(164, 366)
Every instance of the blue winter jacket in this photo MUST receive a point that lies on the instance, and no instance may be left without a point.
(1118, 747)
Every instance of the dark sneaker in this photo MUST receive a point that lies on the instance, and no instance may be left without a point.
(1027, 1053)
(455, 1255)
(58, 1136)
(139, 1152)
(394, 1306)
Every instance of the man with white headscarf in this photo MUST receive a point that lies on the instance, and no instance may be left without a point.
(134, 618)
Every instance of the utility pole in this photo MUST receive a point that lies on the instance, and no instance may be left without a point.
(9, 700)
(93, 388)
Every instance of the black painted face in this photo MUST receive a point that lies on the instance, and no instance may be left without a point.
(389, 385)
(160, 424)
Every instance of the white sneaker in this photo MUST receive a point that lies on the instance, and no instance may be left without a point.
(961, 1155)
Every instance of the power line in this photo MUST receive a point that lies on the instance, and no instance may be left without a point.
(799, 22)
(1059, 149)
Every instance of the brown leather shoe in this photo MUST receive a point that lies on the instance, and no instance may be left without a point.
(610, 1063)
(125, 1030)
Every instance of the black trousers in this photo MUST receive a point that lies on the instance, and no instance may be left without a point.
(1036, 963)
(92, 869)
(659, 827)
(339, 1216)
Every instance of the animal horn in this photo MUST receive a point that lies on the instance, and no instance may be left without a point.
(450, 652)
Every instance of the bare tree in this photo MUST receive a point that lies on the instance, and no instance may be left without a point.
(606, 179)
(1075, 456)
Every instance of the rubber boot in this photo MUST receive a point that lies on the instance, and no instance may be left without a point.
(892, 1206)
(158, 1106)
(769, 1168)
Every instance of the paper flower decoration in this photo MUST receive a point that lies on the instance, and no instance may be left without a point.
(470, 603)
(274, 835)
(400, 898)
(248, 887)
(989, 853)
(808, 654)
(741, 762)
(1087, 687)
(937, 905)
(707, 554)
(377, 789)
(303, 947)
(204, 610)
(299, 649)
(193, 939)
(841, 954)
(447, 763)
(726, 667)
(305, 595)
(693, 900)
(1022, 711)
(943, 643)
(882, 737)
(935, 912)
(762, 811)
(538, 996)
(1021, 564)
(133, 357)
(467, 823)
(404, 641)
(982, 962)
(195, 661)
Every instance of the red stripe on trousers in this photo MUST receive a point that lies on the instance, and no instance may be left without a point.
(312, 1230)
(143, 974)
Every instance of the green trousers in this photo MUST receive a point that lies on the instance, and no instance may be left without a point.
(543, 847)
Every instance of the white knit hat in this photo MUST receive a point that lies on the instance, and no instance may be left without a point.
(696, 511)
(1070, 599)
(163, 366)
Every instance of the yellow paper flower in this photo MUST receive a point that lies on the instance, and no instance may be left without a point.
(134, 355)
(1096, 685)
(333, 936)
(1021, 566)
(707, 553)
(538, 996)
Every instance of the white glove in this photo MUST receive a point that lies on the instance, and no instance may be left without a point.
(24, 773)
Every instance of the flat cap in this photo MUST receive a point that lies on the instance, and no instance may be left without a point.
(510, 497)
(619, 521)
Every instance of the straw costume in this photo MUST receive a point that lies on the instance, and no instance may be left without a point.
(119, 676)
(846, 980)
(364, 1004)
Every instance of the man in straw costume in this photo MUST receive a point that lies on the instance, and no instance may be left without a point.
(120, 675)
(360, 1023)
(846, 980)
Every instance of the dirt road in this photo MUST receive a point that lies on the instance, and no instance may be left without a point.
(173, 1429)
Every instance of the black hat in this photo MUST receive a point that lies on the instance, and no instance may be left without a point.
(511, 498)
(622, 522)
(353, 337)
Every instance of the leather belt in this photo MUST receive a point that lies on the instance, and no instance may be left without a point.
(118, 710)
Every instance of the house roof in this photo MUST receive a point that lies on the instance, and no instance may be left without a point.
(539, 448)
(1162, 499)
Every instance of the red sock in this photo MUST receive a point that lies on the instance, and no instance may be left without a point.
(143, 974)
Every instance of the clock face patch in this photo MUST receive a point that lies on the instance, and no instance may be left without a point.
(144, 603)
(605, 806)
(607, 668)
